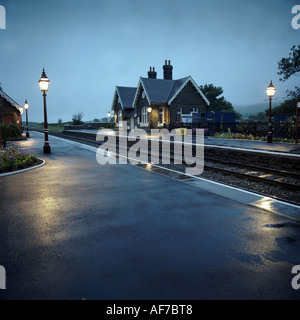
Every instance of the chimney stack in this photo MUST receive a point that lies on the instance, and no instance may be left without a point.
(152, 74)
(168, 73)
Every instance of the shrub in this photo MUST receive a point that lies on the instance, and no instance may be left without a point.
(12, 159)
(238, 136)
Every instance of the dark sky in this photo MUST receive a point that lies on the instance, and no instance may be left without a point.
(89, 47)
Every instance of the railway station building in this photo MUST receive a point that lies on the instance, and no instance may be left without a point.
(155, 103)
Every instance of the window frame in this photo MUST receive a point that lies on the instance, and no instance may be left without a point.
(144, 116)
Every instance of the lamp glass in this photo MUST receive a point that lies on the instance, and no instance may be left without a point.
(108, 114)
(26, 105)
(149, 109)
(271, 90)
(44, 84)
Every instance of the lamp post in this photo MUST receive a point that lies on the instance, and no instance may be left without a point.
(109, 115)
(44, 85)
(270, 92)
(26, 106)
(149, 109)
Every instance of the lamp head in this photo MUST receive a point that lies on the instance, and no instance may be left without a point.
(26, 105)
(271, 90)
(44, 82)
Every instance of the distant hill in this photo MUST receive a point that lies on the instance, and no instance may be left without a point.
(255, 108)
(31, 124)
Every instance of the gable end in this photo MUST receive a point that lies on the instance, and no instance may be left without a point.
(189, 79)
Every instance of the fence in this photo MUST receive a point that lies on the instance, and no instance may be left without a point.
(283, 129)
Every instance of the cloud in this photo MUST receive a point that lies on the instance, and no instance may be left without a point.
(90, 47)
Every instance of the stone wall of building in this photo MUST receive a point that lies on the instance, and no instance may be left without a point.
(187, 99)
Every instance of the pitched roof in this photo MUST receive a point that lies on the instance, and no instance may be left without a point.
(157, 90)
(177, 85)
(126, 95)
(165, 91)
(11, 101)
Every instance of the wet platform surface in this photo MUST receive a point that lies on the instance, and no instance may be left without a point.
(75, 229)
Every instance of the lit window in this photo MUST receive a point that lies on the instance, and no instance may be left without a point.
(144, 115)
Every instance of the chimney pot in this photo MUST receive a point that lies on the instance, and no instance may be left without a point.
(152, 74)
(168, 70)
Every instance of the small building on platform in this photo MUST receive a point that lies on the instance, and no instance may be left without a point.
(10, 111)
(155, 103)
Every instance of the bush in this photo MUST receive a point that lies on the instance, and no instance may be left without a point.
(12, 159)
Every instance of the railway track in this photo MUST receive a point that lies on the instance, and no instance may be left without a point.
(281, 184)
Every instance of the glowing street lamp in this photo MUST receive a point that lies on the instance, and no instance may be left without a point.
(44, 85)
(270, 92)
(109, 115)
(149, 109)
(26, 106)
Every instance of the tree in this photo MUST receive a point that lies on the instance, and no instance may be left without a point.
(291, 65)
(77, 117)
(59, 121)
(217, 103)
(288, 106)
(288, 67)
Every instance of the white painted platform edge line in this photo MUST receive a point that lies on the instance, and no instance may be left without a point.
(230, 187)
(94, 149)
(23, 170)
